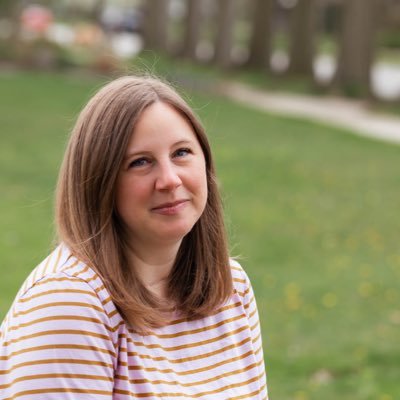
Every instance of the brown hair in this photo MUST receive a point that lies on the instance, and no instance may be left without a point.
(87, 223)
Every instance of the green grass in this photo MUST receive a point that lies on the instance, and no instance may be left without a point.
(312, 210)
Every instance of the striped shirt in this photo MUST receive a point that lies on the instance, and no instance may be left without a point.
(63, 338)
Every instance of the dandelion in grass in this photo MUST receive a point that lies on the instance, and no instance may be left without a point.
(292, 296)
(365, 271)
(385, 396)
(365, 289)
(301, 395)
(329, 300)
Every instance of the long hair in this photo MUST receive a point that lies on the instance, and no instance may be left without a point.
(87, 222)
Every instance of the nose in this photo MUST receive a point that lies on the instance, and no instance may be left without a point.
(167, 177)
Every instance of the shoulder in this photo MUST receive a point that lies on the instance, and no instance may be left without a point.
(61, 285)
(61, 320)
(241, 281)
(60, 266)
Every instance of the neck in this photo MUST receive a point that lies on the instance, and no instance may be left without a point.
(153, 266)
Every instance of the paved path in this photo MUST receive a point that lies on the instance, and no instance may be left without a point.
(332, 110)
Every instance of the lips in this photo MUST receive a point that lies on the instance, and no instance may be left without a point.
(171, 205)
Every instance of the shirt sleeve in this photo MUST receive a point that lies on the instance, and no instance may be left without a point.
(251, 310)
(57, 343)
(252, 315)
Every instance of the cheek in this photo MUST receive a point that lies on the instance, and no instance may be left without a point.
(201, 181)
(128, 193)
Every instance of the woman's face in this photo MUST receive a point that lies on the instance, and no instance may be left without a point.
(161, 188)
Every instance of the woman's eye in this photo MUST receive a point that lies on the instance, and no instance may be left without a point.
(182, 152)
(140, 162)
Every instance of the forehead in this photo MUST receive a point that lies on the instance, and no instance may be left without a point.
(161, 123)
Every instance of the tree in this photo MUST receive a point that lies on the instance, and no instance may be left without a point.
(192, 28)
(6, 7)
(223, 46)
(356, 49)
(302, 37)
(260, 41)
(156, 24)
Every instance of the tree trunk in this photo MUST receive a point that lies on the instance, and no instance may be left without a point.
(97, 9)
(357, 45)
(192, 29)
(302, 38)
(156, 25)
(260, 42)
(225, 21)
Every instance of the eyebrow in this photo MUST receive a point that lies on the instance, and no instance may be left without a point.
(144, 152)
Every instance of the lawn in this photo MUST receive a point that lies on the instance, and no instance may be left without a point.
(311, 210)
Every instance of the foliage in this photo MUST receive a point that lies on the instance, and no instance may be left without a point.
(41, 53)
(311, 209)
(390, 38)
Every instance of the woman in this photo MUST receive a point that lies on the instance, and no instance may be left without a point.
(140, 299)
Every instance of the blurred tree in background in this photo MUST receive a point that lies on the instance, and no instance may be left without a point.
(302, 38)
(156, 26)
(357, 46)
(261, 36)
(192, 29)
(225, 22)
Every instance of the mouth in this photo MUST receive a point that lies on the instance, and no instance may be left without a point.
(169, 205)
(170, 208)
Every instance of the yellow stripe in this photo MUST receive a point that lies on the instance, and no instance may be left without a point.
(197, 330)
(92, 278)
(59, 390)
(26, 299)
(55, 361)
(242, 294)
(189, 384)
(192, 371)
(48, 262)
(56, 304)
(57, 259)
(181, 320)
(251, 315)
(99, 288)
(60, 318)
(47, 280)
(191, 358)
(57, 332)
(82, 271)
(58, 346)
(250, 395)
(254, 326)
(67, 267)
(257, 338)
(186, 346)
(49, 376)
(194, 395)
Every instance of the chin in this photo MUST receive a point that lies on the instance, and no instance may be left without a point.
(175, 234)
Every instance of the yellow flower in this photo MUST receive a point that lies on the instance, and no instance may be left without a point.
(365, 289)
(385, 396)
(300, 395)
(329, 300)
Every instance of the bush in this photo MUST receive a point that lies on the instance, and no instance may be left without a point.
(39, 53)
(390, 39)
